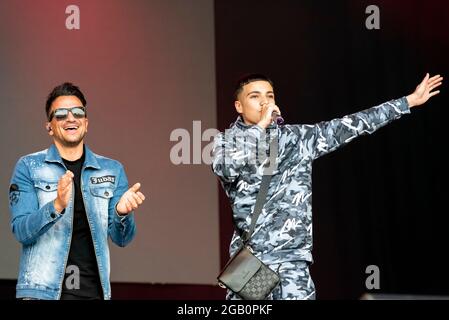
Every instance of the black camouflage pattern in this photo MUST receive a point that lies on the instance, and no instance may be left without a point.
(284, 228)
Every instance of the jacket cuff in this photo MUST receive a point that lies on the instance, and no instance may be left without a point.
(51, 212)
(119, 216)
(402, 104)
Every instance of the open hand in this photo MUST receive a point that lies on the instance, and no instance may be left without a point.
(130, 200)
(424, 91)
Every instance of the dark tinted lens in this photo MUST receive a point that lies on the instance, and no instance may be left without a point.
(61, 114)
(78, 112)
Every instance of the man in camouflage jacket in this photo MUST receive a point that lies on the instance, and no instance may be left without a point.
(282, 236)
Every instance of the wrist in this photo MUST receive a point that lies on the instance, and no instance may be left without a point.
(58, 207)
(411, 100)
(119, 213)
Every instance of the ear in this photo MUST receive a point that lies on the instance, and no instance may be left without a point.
(87, 123)
(238, 106)
(48, 128)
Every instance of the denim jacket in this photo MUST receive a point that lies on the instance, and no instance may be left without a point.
(46, 234)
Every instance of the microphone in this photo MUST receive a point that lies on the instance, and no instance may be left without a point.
(277, 118)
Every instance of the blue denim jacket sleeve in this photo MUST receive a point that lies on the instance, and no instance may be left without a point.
(121, 229)
(28, 221)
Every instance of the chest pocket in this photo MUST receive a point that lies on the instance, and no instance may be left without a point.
(99, 203)
(46, 191)
(46, 186)
(102, 192)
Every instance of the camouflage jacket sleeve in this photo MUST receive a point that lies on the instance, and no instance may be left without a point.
(234, 149)
(329, 135)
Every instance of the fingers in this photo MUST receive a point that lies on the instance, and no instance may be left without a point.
(433, 86)
(270, 107)
(424, 81)
(435, 82)
(64, 190)
(128, 205)
(140, 195)
(435, 77)
(264, 108)
(276, 108)
(434, 93)
(132, 201)
(66, 179)
(135, 187)
(137, 199)
(67, 176)
(265, 114)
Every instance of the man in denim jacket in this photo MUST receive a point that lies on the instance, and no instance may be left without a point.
(282, 236)
(65, 201)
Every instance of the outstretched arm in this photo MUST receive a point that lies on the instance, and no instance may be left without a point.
(328, 136)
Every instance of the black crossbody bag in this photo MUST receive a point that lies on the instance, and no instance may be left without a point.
(244, 274)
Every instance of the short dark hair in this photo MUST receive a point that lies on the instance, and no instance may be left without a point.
(248, 78)
(65, 89)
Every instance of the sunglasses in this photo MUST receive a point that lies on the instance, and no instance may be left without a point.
(63, 113)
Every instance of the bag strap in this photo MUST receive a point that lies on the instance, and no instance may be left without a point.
(263, 190)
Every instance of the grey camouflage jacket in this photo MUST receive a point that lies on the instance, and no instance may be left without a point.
(283, 231)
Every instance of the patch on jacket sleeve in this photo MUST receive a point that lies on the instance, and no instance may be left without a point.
(14, 194)
(103, 179)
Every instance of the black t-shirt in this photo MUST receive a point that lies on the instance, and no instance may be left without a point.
(82, 254)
